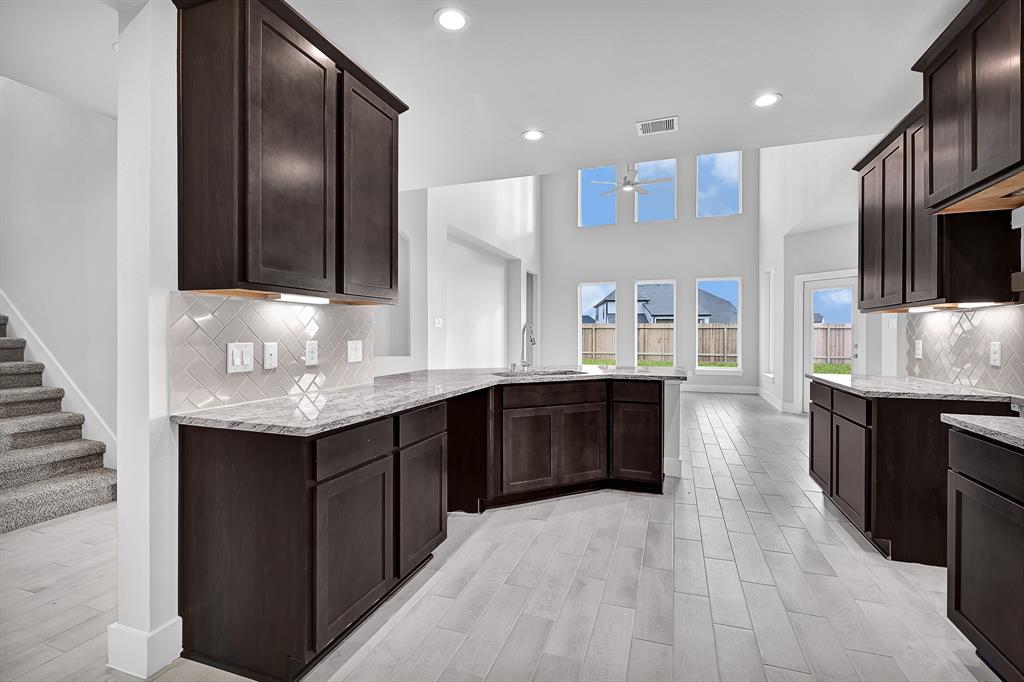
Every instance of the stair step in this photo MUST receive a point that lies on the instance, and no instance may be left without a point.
(27, 465)
(21, 374)
(31, 503)
(12, 349)
(18, 402)
(39, 429)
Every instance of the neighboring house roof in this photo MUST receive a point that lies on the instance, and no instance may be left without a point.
(657, 302)
(818, 317)
(587, 319)
(717, 310)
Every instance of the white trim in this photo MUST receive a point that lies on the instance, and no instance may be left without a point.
(636, 318)
(75, 400)
(792, 408)
(770, 399)
(798, 325)
(687, 387)
(673, 467)
(719, 371)
(141, 653)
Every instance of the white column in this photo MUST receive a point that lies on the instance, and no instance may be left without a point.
(147, 634)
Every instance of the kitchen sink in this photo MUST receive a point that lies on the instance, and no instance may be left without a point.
(538, 373)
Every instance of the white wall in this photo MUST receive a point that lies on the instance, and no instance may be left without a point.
(57, 243)
(477, 297)
(682, 250)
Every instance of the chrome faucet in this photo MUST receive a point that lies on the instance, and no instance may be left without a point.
(525, 363)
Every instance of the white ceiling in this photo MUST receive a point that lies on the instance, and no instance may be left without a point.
(62, 47)
(584, 72)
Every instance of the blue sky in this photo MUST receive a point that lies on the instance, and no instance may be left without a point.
(660, 204)
(727, 289)
(835, 305)
(591, 294)
(595, 209)
(718, 184)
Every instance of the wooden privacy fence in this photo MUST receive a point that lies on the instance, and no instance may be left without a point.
(833, 342)
(716, 343)
(598, 342)
(655, 342)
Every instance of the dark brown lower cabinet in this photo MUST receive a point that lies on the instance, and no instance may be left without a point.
(355, 540)
(985, 544)
(528, 448)
(820, 422)
(422, 500)
(636, 441)
(583, 451)
(850, 451)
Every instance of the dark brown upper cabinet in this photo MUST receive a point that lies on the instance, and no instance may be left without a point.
(972, 90)
(288, 157)
(910, 256)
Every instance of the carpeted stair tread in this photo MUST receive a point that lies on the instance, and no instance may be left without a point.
(30, 394)
(40, 422)
(11, 342)
(21, 367)
(24, 458)
(31, 503)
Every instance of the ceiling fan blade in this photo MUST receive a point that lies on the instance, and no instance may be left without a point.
(602, 182)
(611, 191)
(652, 181)
(640, 190)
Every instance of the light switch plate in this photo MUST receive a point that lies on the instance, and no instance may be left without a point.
(312, 353)
(918, 349)
(239, 357)
(995, 354)
(355, 351)
(270, 355)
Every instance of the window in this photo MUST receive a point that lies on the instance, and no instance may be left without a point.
(718, 324)
(597, 205)
(597, 323)
(659, 202)
(655, 324)
(718, 184)
(768, 301)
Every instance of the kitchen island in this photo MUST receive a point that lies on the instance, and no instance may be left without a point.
(300, 514)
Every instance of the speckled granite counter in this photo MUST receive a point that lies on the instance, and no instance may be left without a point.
(868, 386)
(308, 414)
(1008, 430)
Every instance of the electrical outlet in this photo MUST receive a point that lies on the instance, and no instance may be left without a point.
(995, 354)
(239, 357)
(918, 349)
(355, 351)
(270, 355)
(312, 353)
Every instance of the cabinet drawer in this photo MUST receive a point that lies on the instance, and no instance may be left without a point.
(422, 423)
(821, 395)
(636, 391)
(857, 410)
(542, 395)
(993, 465)
(349, 449)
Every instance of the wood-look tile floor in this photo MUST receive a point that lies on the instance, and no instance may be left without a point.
(741, 571)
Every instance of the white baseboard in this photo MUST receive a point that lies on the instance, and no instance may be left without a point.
(75, 400)
(141, 653)
(771, 399)
(793, 408)
(687, 387)
(673, 467)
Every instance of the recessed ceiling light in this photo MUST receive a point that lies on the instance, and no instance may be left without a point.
(532, 135)
(451, 19)
(768, 99)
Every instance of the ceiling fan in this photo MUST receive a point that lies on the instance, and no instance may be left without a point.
(629, 182)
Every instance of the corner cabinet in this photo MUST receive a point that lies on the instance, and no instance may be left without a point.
(909, 256)
(288, 158)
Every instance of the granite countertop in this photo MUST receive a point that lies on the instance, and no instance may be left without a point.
(308, 414)
(1008, 430)
(869, 386)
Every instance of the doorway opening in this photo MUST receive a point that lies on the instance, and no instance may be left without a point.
(831, 330)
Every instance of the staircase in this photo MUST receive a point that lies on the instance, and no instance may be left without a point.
(46, 468)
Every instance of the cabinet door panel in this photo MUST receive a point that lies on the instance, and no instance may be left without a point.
(821, 447)
(291, 148)
(850, 464)
(370, 194)
(422, 501)
(943, 87)
(922, 240)
(583, 448)
(528, 449)
(354, 545)
(890, 284)
(871, 230)
(636, 442)
(985, 547)
(992, 115)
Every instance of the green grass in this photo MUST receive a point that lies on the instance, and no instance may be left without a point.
(831, 368)
(595, 361)
(717, 364)
(655, 363)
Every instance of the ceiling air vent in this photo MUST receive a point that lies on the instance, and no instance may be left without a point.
(668, 124)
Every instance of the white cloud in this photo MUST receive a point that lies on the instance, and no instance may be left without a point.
(835, 296)
(725, 166)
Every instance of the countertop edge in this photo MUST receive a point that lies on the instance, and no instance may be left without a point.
(970, 423)
(982, 395)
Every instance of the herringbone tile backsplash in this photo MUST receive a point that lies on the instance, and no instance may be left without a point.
(956, 347)
(201, 325)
